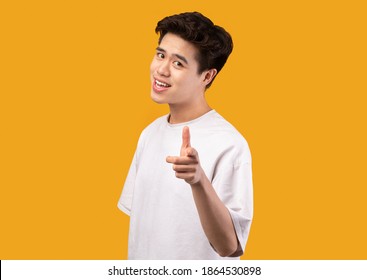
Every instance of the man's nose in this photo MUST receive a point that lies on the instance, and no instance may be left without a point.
(163, 68)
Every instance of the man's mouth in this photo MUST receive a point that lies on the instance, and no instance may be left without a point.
(161, 84)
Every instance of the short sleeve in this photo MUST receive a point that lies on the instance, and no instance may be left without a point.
(234, 187)
(126, 197)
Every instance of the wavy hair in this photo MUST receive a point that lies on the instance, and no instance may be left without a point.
(214, 44)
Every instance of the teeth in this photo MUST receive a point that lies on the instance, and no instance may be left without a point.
(161, 84)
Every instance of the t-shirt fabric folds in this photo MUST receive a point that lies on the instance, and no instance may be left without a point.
(164, 222)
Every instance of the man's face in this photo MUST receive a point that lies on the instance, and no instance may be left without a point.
(174, 73)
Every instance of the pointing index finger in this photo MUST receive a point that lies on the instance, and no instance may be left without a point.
(186, 137)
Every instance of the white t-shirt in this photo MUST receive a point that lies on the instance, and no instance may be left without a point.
(164, 222)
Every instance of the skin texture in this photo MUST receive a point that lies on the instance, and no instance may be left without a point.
(175, 65)
(185, 96)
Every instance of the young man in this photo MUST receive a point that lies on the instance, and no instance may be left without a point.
(189, 188)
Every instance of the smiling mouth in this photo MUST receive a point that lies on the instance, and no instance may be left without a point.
(160, 84)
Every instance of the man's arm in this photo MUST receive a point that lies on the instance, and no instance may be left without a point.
(214, 216)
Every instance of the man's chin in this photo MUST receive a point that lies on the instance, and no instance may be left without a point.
(158, 101)
(156, 98)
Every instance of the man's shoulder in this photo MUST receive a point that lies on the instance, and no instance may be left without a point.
(226, 129)
(150, 130)
(156, 123)
(153, 127)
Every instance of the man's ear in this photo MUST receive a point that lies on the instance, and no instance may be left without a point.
(209, 75)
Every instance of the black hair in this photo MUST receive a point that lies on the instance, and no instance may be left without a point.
(214, 44)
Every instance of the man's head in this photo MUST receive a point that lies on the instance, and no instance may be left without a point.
(213, 43)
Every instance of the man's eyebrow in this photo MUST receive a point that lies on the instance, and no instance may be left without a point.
(175, 54)
(160, 49)
(181, 57)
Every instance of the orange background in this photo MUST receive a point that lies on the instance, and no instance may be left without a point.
(75, 97)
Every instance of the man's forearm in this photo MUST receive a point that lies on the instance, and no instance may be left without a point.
(215, 218)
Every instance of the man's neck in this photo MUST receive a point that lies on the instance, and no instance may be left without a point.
(181, 114)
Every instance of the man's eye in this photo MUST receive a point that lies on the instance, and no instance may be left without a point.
(160, 55)
(177, 63)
